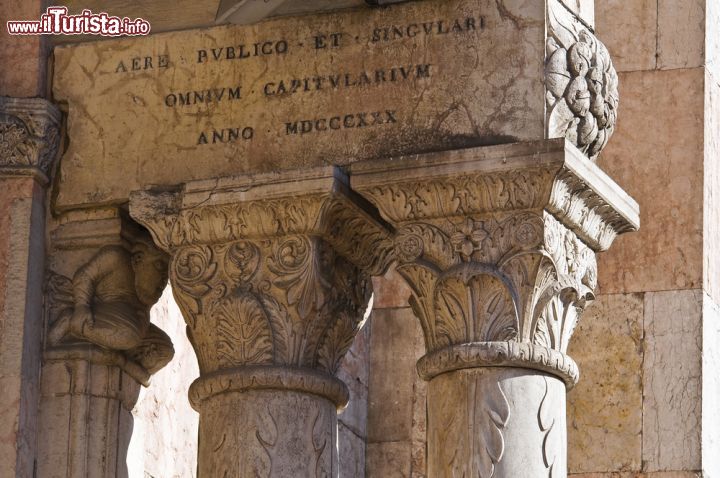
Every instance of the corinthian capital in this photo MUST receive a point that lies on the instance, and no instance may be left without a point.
(29, 133)
(498, 245)
(272, 276)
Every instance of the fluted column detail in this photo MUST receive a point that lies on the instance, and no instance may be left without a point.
(272, 277)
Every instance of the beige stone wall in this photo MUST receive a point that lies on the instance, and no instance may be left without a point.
(647, 371)
(24, 65)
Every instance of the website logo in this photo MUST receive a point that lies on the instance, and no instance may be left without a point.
(57, 21)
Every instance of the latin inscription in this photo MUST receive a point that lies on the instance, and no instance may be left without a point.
(321, 43)
(347, 80)
(335, 123)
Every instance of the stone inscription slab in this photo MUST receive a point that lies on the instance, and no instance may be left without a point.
(295, 92)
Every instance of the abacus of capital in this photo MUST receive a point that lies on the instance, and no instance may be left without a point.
(271, 268)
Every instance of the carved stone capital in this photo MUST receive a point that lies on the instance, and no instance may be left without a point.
(104, 275)
(581, 83)
(29, 134)
(498, 246)
(272, 276)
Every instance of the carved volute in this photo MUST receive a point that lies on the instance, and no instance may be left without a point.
(273, 279)
(498, 247)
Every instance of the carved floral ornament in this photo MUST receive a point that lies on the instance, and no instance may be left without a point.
(273, 291)
(500, 259)
(29, 133)
(581, 82)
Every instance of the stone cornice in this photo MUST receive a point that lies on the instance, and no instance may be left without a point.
(29, 135)
(551, 175)
(316, 202)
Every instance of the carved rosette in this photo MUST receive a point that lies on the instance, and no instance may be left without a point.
(29, 133)
(581, 83)
(273, 289)
(500, 257)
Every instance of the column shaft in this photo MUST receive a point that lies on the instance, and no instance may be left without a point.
(496, 421)
(272, 433)
(28, 144)
(103, 276)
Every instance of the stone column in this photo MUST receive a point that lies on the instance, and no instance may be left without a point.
(272, 276)
(104, 274)
(498, 246)
(29, 132)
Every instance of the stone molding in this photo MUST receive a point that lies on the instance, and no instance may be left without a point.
(100, 356)
(269, 272)
(499, 354)
(581, 82)
(498, 244)
(269, 377)
(29, 135)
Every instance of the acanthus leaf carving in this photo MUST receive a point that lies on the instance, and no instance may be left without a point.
(242, 336)
(29, 133)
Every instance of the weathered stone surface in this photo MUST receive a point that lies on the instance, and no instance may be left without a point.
(354, 371)
(498, 286)
(434, 102)
(24, 68)
(388, 460)
(272, 276)
(394, 351)
(29, 136)
(665, 174)
(505, 422)
(294, 103)
(710, 387)
(352, 422)
(21, 269)
(659, 474)
(711, 208)
(584, 9)
(672, 380)
(165, 427)
(681, 34)
(352, 453)
(390, 291)
(712, 38)
(397, 410)
(103, 275)
(605, 407)
(629, 29)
